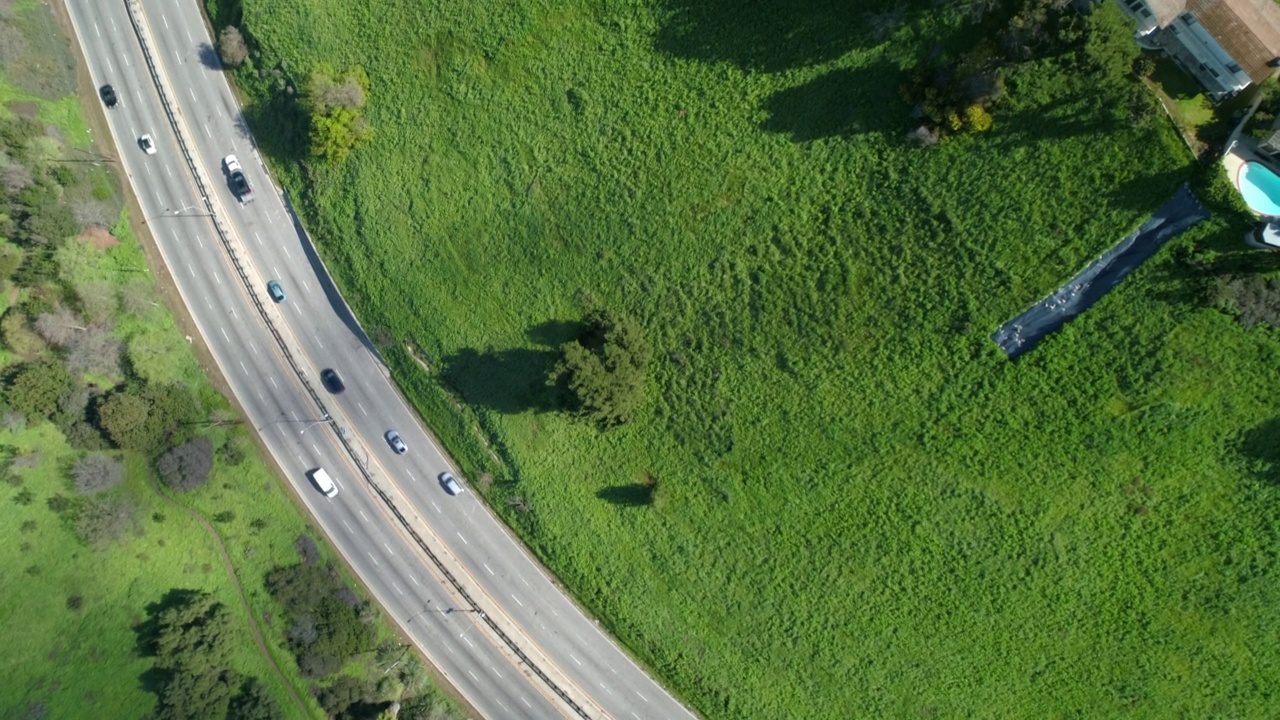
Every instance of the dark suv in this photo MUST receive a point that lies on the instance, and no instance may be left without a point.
(331, 381)
(108, 94)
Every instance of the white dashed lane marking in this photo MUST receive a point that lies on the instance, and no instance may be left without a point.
(415, 581)
(366, 519)
(575, 659)
(397, 587)
(464, 540)
(224, 333)
(388, 547)
(513, 597)
(353, 532)
(272, 378)
(486, 567)
(374, 559)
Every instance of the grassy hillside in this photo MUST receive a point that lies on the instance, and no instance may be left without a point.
(864, 509)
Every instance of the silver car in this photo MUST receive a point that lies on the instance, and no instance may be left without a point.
(450, 484)
(393, 439)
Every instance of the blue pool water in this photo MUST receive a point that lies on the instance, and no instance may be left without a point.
(1260, 188)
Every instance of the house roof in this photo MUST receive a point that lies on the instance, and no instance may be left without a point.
(1166, 10)
(1247, 29)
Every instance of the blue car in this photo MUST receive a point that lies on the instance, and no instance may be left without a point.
(277, 292)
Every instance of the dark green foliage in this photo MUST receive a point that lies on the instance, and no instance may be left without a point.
(75, 602)
(105, 519)
(325, 627)
(42, 216)
(225, 516)
(1254, 299)
(254, 702)
(123, 417)
(58, 503)
(148, 419)
(187, 466)
(17, 132)
(604, 370)
(24, 497)
(36, 387)
(192, 639)
(38, 267)
(82, 435)
(348, 698)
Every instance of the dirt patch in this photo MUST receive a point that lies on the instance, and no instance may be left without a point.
(100, 239)
(24, 109)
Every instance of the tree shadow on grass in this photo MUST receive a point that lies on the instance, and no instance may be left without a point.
(1260, 448)
(153, 680)
(508, 381)
(633, 495)
(766, 35)
(840, 103)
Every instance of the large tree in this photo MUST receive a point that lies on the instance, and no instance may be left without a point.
(194, 643)
(604, 369)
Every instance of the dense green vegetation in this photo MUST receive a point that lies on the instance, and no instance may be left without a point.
(122, 599)
(867, 510)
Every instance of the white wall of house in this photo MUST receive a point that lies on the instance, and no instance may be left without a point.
(1217, 67)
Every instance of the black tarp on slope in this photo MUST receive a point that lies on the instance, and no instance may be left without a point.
(1020, 334)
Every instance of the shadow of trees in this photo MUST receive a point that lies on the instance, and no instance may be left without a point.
(839, 103)
(765, 35)
(1260, 448)
(633, 495)
(147, 632)
(513, 380)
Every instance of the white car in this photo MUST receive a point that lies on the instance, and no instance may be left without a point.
(148, 145)
(450, 484)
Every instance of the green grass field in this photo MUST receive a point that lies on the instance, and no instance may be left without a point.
(866, 510)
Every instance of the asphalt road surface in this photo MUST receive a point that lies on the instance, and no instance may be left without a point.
(506, 588)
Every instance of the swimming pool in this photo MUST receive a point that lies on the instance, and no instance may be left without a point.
(1260, 188)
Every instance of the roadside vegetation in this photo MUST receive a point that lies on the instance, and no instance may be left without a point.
(138, 524)
(836, 497)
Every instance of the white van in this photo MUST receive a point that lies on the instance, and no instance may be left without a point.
(324, 482)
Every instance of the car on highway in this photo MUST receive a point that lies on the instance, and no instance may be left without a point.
(148, 145)
(396, 443)
(325, 483)
(276, 290)
(332, 381)
(239, 182)
(450, 483)
(108, 94)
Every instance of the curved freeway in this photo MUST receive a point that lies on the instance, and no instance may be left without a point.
(481, 609)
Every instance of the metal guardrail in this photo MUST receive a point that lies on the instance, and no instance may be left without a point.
(225, 237)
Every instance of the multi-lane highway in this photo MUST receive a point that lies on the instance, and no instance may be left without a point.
(514, 645)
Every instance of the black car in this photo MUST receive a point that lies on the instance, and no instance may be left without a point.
(331, 381)
(108, 96)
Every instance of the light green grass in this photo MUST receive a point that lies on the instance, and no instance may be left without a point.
(867, 510)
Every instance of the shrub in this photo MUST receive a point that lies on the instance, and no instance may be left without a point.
(123, 417)
(307, 549)
(36, 388)
(75, 602)
(232, 47)
(58, 503)
(187, 466)
(96, 473)
(105, 519)
(18, 337)
(95, 351)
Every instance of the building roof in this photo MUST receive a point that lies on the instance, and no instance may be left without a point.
(1166, 10)
(1247, 29)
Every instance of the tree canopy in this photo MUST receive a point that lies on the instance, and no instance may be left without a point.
(604, 369)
